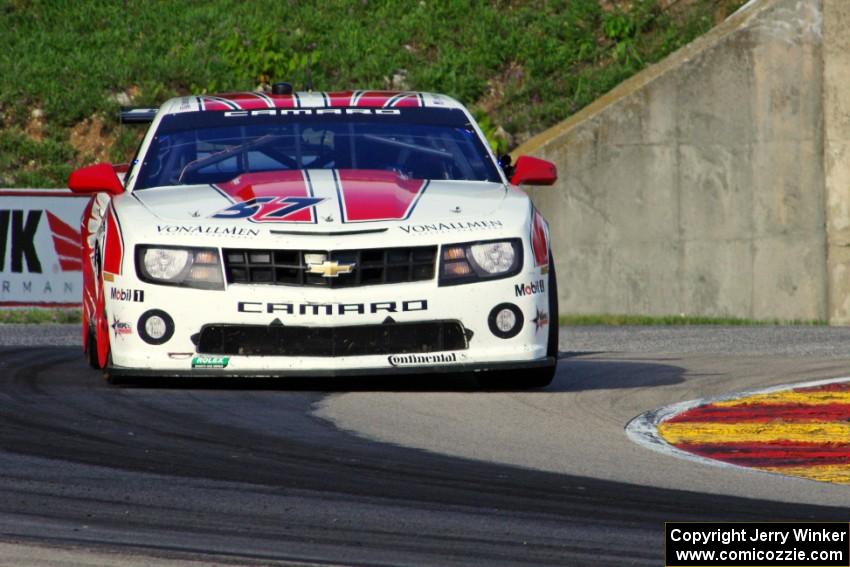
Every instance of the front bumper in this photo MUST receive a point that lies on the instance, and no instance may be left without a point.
(266, 305)
(122, 372)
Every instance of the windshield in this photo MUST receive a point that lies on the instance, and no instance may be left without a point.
(215, 147)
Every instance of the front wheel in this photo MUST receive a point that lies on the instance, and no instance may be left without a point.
(91, 349)
(110, 378)
(97, 343)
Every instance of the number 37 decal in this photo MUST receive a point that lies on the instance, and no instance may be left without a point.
(272, 209)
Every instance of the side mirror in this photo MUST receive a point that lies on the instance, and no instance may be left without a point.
(505, 164)
(100, 178)
(533, 171)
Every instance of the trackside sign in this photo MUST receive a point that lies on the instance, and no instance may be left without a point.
(40, 263)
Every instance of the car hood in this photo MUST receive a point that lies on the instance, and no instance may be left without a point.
(332, 201)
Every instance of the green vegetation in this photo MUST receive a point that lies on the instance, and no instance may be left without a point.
(620, 320)
(39, 316)
(66, 66)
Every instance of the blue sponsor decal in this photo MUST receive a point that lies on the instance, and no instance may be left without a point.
(268, 208)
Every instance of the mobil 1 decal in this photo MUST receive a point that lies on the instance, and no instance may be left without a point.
(270, 196)
(126, 294)
(531, 288)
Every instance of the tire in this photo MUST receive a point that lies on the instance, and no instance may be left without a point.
(98, 342)
(111, 379)
(91, 349)
(554, 326)
(93, 355)
(535, 377)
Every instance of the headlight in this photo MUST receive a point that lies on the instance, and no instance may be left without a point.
(493, 257)
(171, 265)
(164, 263)
(475, 261)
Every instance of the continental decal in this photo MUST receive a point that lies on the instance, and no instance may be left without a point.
(422, 359)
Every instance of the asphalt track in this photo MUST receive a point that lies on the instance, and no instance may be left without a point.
(315, 471)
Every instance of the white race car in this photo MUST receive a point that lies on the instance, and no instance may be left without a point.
(317, 234)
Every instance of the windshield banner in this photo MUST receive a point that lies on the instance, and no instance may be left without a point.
(40, 254)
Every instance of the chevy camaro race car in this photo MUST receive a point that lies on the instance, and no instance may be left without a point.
(317, 234)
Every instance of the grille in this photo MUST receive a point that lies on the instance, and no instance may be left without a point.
(355, 340)
(371, 266)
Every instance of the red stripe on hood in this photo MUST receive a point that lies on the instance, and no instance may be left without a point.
(373, 195)
(271, 184)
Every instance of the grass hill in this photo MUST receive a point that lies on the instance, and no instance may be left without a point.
(67, 65)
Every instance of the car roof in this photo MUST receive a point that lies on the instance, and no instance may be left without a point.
(307, 99)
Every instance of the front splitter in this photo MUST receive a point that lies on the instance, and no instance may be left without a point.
(124, 372)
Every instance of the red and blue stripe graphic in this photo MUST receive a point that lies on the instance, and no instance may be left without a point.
(291, 196)
(270, 196)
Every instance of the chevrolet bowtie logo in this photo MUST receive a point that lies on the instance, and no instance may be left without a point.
(330, 269)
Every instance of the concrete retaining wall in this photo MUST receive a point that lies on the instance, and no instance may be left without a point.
(702, 185)
(836, 120)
